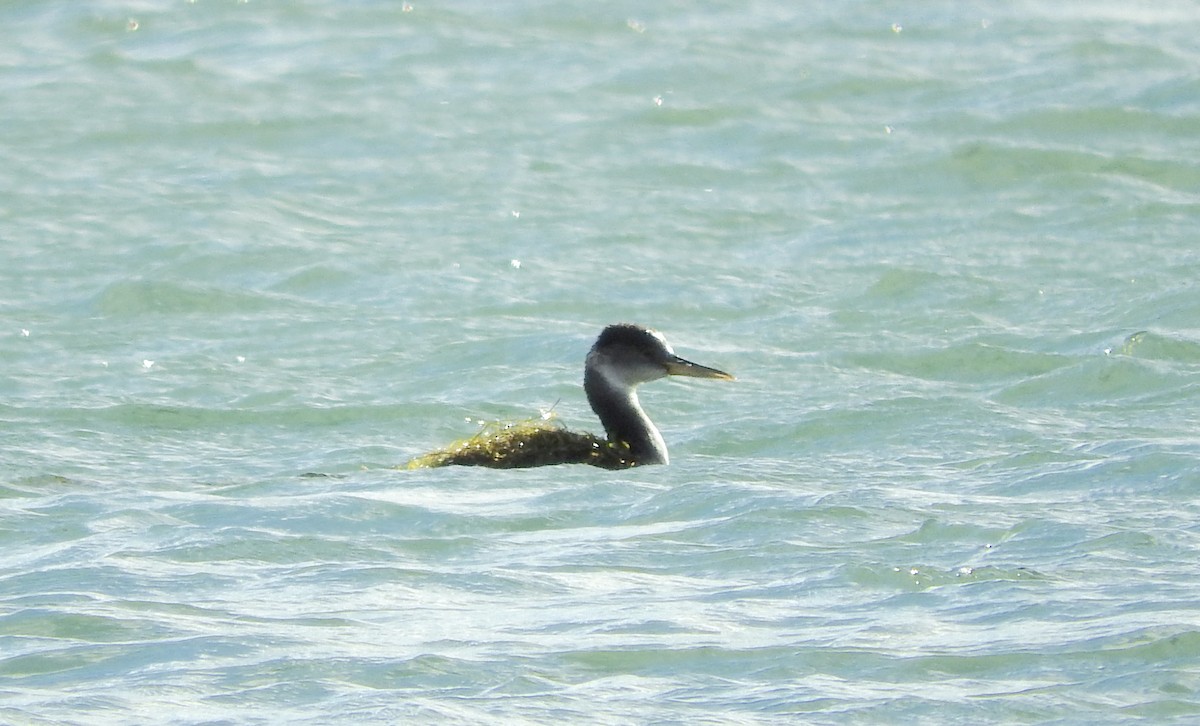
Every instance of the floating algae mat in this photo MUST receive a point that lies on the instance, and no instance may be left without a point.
(521, 444)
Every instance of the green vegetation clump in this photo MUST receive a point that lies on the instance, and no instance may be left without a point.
(522, 444)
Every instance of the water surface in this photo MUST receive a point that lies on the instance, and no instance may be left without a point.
(257, 254)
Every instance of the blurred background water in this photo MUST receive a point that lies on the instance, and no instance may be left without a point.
(257, 254)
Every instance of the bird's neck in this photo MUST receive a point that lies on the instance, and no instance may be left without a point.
(623, 418)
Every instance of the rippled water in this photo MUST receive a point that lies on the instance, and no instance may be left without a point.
(257, 254)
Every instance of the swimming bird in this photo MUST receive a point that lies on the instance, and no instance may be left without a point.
(622, 358)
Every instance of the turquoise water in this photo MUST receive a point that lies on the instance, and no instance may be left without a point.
(257, 254)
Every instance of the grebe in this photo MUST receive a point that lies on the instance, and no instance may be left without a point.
(623, 357)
